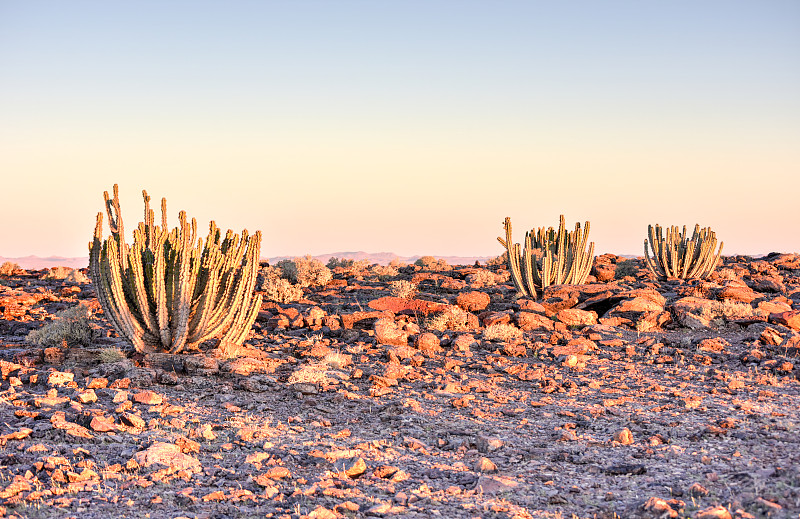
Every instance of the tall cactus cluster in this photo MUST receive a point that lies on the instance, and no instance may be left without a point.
(681, 257)
(565, 258)
(169, 290)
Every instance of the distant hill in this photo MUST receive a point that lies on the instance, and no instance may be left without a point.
(384, 258)
(37, 263)
(381, 258)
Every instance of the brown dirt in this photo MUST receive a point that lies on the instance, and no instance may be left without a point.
(310, 419)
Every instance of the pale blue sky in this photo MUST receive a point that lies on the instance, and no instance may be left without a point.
(411, 127)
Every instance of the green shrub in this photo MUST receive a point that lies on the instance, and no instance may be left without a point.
(626, 268)
(335, 262)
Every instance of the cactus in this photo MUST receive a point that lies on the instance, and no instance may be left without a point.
(565, 258)
(678, 256)
(164, 292)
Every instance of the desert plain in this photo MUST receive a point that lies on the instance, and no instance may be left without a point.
(625, 397)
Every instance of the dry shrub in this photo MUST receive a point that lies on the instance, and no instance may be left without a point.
(70, 326)
(454, 318)
(111, 355)
(280, 290)
(403, 289)
(482, 278)
(503, 332)
(431, 263)
(383, 272)
(8, 268)
(305, 271)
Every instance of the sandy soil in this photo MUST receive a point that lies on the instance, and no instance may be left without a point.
(653, 410)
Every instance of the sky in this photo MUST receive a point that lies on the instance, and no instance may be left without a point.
(412, 127)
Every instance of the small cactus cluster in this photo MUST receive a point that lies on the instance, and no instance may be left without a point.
(681, 257)
(169, 290)
(565, 258)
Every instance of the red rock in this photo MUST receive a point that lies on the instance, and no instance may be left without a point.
(529, 321)
(18, 484)
(737, 292)
(86, 397)
(714, 512)
(624, 436)
(529, 305)
(398, 305)
(120, 383)
(169, 455)
(148, 397)
(101, 423)
(16, 435)
(97, 383)
(364, 320)
(577, 346)
(247, 365)
(132, 420)
(387, 332)
(320, 512)
(605, 272)
(485, 465)
(463, 342)
(490, 318)
(473, 301)
(278, 473)
(59, 421)
(59, 378)
(790, 319)
(575, 317)
(660, 507)
(428, 344)
(694, 312)
(716, 345)
(496, 484)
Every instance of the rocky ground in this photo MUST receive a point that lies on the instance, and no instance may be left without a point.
(622, 398)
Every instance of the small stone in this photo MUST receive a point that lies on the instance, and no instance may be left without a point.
(487, 444)
(278, 473)
(576, 317)
(659, 506)
(352, 467)
(169, 455)
(132, 420)
(320, 512)
(698, 490)
(389, 333)
(428, 344)
(59, 378)
(790, 319)
(485, 465)
(148, 397)
(714, 512)
(473, 301)
(97, 383)
(101, 423)
(87, 397)
(495, 484)
(624, 436)
(206, 432)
